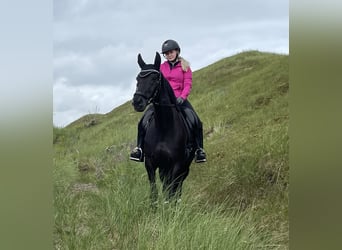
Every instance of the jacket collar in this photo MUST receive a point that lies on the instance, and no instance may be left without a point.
(173, 64)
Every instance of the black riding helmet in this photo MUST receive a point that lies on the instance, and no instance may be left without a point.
(170, 45)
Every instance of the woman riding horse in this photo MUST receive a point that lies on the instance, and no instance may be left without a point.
(178, 73)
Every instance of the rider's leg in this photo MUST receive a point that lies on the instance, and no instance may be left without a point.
(200, 155)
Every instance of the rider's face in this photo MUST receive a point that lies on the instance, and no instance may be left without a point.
(170, 55)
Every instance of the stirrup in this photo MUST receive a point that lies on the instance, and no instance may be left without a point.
(137, 155)
(200, 158)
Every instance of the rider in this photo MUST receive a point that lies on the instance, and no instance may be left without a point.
(178, 73)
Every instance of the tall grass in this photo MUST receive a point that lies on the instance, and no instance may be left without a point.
(119, 216)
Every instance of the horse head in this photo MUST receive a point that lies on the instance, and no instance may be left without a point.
(148, 83)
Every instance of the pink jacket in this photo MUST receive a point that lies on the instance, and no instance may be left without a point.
(180, 81)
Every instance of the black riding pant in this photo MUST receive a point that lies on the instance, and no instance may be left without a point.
(188, 112)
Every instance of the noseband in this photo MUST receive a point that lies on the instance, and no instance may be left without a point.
(144, 73)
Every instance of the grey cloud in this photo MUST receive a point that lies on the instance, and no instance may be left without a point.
(96, 41)
(109, 65)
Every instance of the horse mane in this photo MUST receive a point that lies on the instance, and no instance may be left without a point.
(168, 89)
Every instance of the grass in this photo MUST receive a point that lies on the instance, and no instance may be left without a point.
(119, 217)
(237, 200)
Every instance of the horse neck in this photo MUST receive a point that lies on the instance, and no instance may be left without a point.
(166, 94)
(165, 111)
(165, 117)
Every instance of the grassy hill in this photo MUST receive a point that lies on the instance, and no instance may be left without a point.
(237, 200)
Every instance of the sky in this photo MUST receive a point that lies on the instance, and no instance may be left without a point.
(96, 43)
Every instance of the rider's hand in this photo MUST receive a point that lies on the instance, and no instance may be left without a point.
(180, 100)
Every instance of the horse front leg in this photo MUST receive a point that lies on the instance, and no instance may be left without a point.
(151, 172)
(179, 173)
(166, 179)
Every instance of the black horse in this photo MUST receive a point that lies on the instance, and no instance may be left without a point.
(166, 138)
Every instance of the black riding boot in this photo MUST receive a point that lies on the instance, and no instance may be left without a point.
(137, 153)
(200, 155)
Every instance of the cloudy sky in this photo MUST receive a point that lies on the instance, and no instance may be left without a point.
(96, 43)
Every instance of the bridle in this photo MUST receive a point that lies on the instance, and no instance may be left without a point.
(144, 73)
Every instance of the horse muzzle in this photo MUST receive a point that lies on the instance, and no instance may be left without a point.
(139, 103)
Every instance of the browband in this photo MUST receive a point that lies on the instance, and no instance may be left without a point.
(147, 72)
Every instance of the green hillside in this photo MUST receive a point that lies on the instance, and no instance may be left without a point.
(237, 200)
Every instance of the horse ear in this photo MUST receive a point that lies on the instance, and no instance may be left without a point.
(157, 60)
(141, 61)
